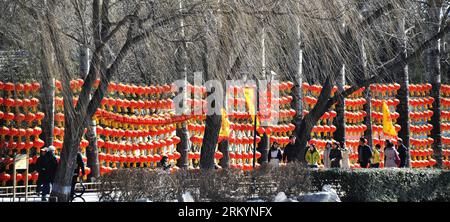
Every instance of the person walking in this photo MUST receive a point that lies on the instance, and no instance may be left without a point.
(275, 155)
(76, 173)
(345, 162)
(312, 156)
(40, 168)
(364, 153)
(326, 156)
(403, 154)
(335, 156)
(288, 150)
(375, 159)
(48, 167)
(391, 158)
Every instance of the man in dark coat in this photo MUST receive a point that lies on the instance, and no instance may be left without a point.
(48, 169)
(288, 150)
(403, 152)
(40, 168)
(364, 153)
(76, 173)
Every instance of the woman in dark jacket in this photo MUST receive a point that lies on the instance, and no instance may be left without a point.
(335, 156)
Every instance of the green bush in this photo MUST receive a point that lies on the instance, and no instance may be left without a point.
(386, 185)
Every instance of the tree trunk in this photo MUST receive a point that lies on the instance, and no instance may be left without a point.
(432, 69)
(91, 135)
(48, 101)
(225, 161)
(210, 139)
(181, 68)
(403, 93)
(263, 148)
(303, 132)
(339, 121)
(368, 118)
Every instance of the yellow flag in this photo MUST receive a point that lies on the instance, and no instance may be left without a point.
(250, 99)
(225, 128)
(388, 127)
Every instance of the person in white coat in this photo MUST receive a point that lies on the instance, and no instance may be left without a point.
(345, 162)
(275, 155)
(326, 156)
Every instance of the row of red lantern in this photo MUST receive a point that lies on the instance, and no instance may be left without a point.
(445, 90)
(423, 163)
(445, 115)
(385, 89)
(155, 144)
(379, 128)
(419, 89)
(423, 115)
(282, 140)
(4, 177)
(133, 159)
(421, 142)
(20, 133)
(244, 155)
(25, 104)
(445, 140)
(120, 133)
(244, 140)
(277, 129)
(354, 117)
(25, 88)
(379, 102)
(421, 129)
(445, 102)
(147, 120)
(355, 103)
(29, 118)
(379, 116)
(355, 129)
(125, 104)
(446, 153)
(121, 88)
(315, 89)
(324, 129)
(282, 114)
(426, 102)
(38, 144)
(427, 152)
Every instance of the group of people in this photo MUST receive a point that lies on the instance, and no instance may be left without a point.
(46, 165)
(336, 155)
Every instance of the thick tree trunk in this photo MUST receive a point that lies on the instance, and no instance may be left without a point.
(432, 69)
(48, 102)
(303, 132)
(91, 135)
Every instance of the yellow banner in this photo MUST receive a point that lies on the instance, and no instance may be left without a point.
(225, 128)
(388, 127)
(250, 100)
